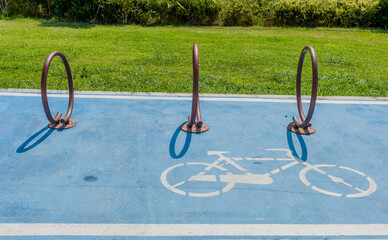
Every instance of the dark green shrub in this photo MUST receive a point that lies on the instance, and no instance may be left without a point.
(16, 7)
(109, 12)
(331, 13)
(30, 8)
(141, 11)
(238, 12)
(75, 10)
(339, 13)
(190, 11)
(96, 11)
(381, 18)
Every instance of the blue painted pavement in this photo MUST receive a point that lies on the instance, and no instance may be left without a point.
(127, 162)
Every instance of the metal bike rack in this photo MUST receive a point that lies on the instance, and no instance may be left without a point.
(57, 122)
(193, 126)
(304, 127)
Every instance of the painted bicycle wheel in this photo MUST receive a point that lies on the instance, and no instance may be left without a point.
(181, 180)
(351, 184)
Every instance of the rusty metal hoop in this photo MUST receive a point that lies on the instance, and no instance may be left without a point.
(304, 126)
(57, 122)
(192, 126)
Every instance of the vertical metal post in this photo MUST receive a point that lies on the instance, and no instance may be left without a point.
(192, 125)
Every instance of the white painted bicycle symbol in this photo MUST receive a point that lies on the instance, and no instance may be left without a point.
(229, 179)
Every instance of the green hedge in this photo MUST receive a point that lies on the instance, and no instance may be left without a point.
(141, 11)
(341, 13)
(238, 12)
(190, 11)
(381, 19)
(331, 13)
(94, 11)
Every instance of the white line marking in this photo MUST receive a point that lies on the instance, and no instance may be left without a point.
(316, 167)
(212, 194)
(289, 165)
(163, 178)
(190, 94)
(302, 176)
(183, 98)
(178, 184)
(353, 170)
(339, 180)
(372, 188)
(275, 171)
(52, 229)
(285, 159)
(203, 178)
(359, 189)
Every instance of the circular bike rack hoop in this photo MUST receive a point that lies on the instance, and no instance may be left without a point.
(304, 126)
(193, 126)
(57, 122)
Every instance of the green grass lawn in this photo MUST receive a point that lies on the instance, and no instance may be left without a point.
(159, 58)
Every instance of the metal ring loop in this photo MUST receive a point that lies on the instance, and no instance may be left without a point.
(57, 123)
(192, 125)
(305, 121)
